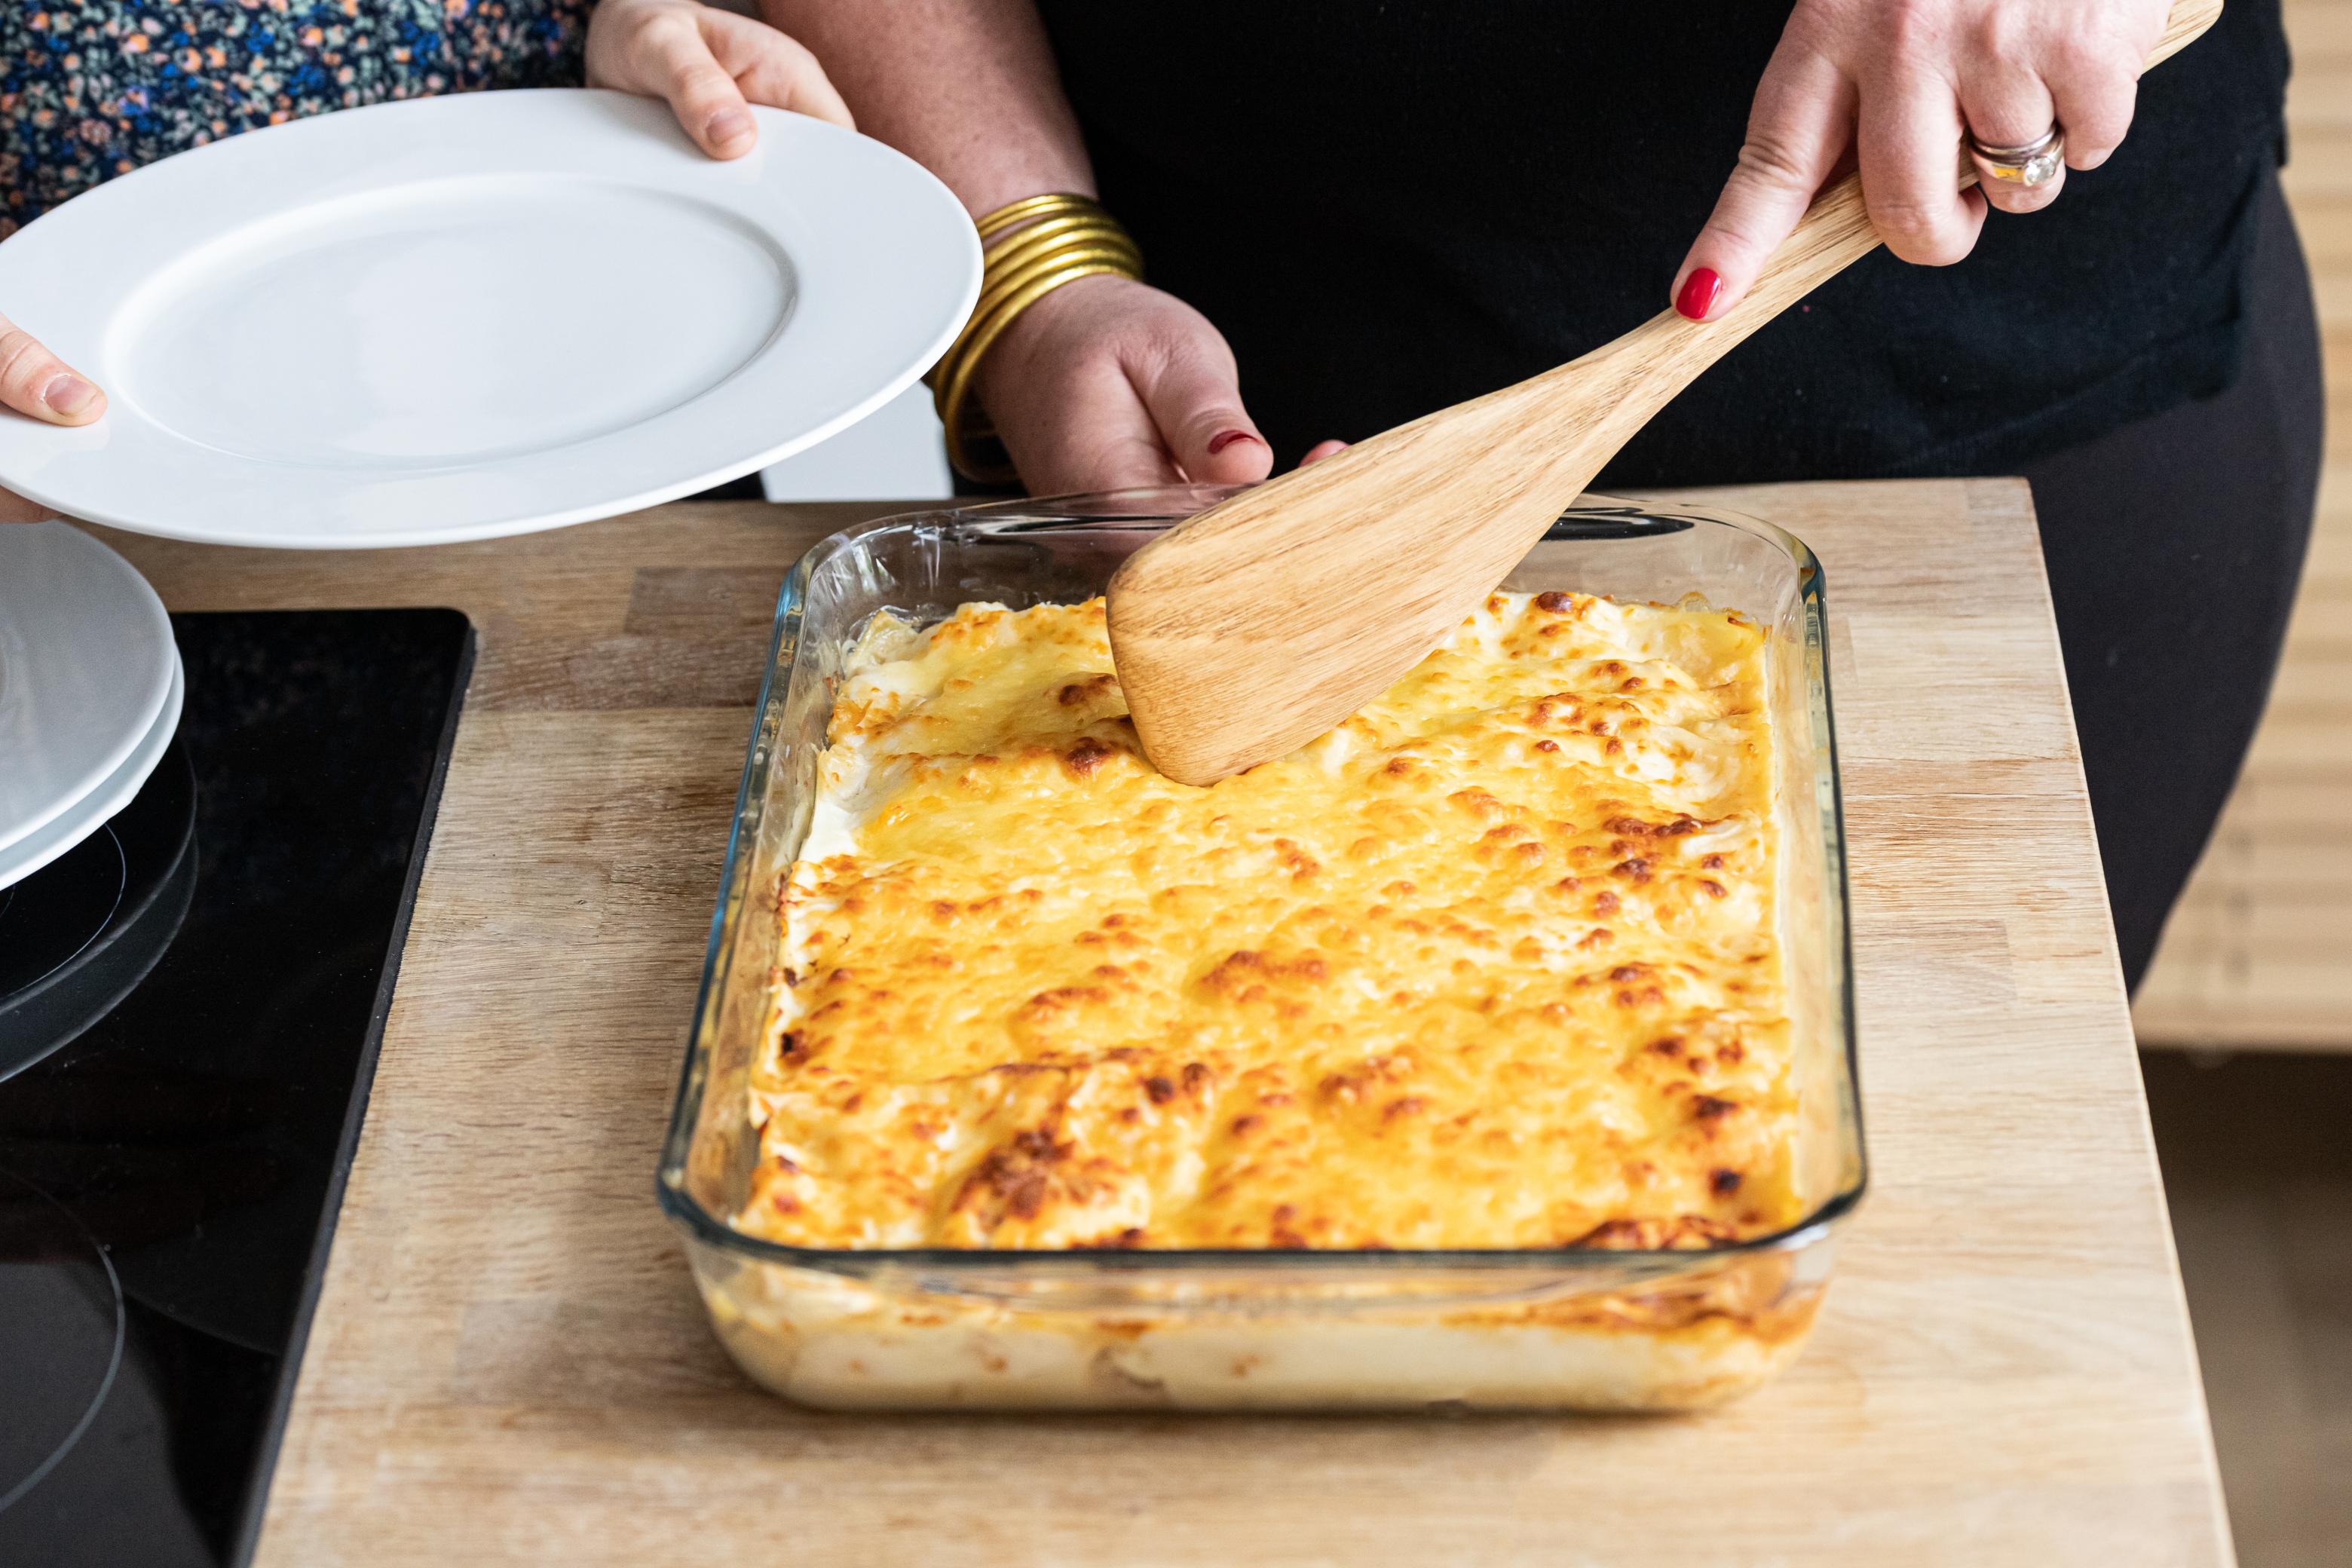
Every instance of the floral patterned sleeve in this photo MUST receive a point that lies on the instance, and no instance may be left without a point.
(94, 89)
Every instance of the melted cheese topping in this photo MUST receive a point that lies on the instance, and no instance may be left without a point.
(1491, 964)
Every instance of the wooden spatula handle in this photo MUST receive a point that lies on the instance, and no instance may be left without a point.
(2188, 23)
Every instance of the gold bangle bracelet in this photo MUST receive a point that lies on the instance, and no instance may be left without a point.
(1011, 213)
(1033, 247)
(956, 389)
(1013, 244)
(1029, 225)
(1021, 250)
(1015, 295)
(999, 289)
(998, 282)
(1007, 263)
(1006, 299)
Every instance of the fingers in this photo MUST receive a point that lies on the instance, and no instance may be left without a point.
(671, 58)
(2005, 104)
(2010, 198)
(35, 382)
(771, 69)
(1322, 449)
(2094, 88)
(1903, 84)
(710, 66)
(1795, 135)
(1907, 135)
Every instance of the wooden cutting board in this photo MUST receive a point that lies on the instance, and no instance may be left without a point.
(509, 1364)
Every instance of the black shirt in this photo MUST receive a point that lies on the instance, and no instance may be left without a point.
(1391, 206)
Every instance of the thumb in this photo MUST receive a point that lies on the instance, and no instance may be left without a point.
(1796, 133)
(35, 382)
(700, 91)
(770, 67)
(1196, 404)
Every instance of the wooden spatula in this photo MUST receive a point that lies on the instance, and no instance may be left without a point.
(1258, 624)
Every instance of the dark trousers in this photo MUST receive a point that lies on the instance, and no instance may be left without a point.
(2174, 545)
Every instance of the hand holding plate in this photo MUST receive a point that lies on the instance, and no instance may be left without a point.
(708, 65)
(36, 383)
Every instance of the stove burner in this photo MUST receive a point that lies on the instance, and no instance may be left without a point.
(201, 1129)
(52, 915)
(61, 1322)
(77, 934)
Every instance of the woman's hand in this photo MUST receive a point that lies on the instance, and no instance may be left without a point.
(36, 383)
(1895, 85)
(1106, 382)
(708, 65)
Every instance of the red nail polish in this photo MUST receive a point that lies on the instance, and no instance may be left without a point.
(1700, 291)
(1225, 438)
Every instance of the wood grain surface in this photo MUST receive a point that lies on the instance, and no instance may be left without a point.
(511, 1365)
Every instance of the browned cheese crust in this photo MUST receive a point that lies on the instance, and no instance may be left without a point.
(1491, 964)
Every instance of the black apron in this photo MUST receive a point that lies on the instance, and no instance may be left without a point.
(1390, 206)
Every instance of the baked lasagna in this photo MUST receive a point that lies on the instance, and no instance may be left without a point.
(1491, 964)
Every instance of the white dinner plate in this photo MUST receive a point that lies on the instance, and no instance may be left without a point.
(88, 815)
(457, 318)
(86, 659)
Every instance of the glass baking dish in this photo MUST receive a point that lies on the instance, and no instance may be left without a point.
(1561, 1328)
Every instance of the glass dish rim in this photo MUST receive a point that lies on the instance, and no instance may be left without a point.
(1624, 516)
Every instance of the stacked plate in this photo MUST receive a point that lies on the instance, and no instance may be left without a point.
(89, 691)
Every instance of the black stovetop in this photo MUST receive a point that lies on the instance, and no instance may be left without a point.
(169, 1179)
